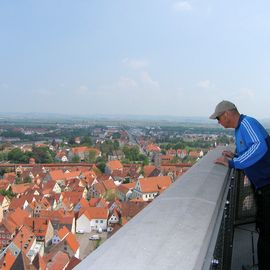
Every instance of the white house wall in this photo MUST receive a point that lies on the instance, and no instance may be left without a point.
(99, 224)
(83, 223)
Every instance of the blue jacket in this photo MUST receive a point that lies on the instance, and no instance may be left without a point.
(252, 151)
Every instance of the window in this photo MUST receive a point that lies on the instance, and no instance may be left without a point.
(96, 221)
(101, 221)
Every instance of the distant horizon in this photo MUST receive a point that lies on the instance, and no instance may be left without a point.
(51, 115)
(138, 117)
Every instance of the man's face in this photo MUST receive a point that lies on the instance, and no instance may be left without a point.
(223, 120)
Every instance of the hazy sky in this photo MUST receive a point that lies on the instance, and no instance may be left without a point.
(142, 57)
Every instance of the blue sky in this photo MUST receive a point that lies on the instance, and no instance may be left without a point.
(143, 57)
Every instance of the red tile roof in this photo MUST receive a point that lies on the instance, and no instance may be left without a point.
(39, 226)
(63, 232)
(148, 169)
(124, 188)
(18, 217)
(84, 203)
(72, 197)
(155, 184)
(17, 203)
(9, 225)
(109, 185)
(72, 263)
(8, 260)
(21, 188)
(24, 239)
(84, 149)
(131, 208)
(58, 262)
(70, 238)
(114, 165)
(103, 177)
(57, 175)
(96, 213)
(58, 216)
(152, 148)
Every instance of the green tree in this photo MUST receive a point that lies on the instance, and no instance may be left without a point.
(3, 156)
(131, 153)
(144, 159)
(223, 139)
(116, 135)
(107, 147)
(101, 163)
(17, 156)
(109, 196)
(126, 181)
(7, 193)
(53, 142)
(91, 156)
(179, 145)
(17, 180)
(75, 159)
(71, 141)
(175, 160)
(86, 141)
(116, 145)
(27, 179)
(3, 171)
(13, 133)
(43, 154)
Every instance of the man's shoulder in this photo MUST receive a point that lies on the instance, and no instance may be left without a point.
(250, 123)
(249, 119)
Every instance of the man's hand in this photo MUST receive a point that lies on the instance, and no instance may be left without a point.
(228, 154)
(223, 161)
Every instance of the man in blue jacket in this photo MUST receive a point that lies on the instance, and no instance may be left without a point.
(253, 157)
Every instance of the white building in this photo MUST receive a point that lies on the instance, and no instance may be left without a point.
(93, 218)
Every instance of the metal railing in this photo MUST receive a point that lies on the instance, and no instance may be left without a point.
(244, 201)
(240, 208)
(223, 246)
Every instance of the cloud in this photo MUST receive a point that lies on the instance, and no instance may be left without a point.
(181, 6)
(205, 84)
(127, 83)
(135, 92)
(246, 93)
(82, 90)
(135, 63)
(147, 80)
(44, 92)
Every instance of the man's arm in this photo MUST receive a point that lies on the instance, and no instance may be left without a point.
(254, 137)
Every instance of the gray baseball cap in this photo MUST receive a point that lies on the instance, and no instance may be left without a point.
(222, 107)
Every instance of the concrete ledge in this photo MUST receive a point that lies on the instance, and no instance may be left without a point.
(175, 230)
